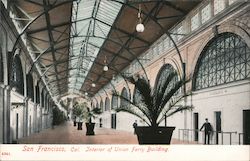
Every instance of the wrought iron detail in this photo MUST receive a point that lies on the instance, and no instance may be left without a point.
(225, 59)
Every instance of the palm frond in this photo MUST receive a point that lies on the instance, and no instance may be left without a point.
(171, 107)
(170, 94)
(145, 90)
(144, 110)
(161, 89)
(133, 112)
(180, 108)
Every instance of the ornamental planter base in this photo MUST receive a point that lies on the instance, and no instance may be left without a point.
(149, 135)
(90, 128)
(79, 126)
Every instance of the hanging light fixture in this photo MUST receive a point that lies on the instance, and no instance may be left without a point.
(93, 84)
(139, 26)
(86, 93)
(105, 68)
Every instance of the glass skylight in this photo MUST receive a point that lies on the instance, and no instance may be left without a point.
(92, 21)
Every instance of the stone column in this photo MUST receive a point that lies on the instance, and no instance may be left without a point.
(6, 115)
(1, 112)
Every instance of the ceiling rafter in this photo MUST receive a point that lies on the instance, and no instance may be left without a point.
(130, 40)
(51, 38)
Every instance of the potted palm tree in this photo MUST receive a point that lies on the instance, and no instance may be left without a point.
(78, 112)
(88, 115)
(154, 105)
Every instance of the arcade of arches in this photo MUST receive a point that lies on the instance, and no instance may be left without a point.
(38, 74)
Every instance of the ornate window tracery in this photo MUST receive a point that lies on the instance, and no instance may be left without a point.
(225, 59)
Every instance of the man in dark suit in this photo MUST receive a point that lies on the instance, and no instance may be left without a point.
(208, 131)
(135, 126)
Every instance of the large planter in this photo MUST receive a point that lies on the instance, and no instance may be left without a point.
(90, 128)
(74, 123)
(149, 135)
(79, 125)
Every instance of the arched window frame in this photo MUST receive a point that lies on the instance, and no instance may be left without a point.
(114, 102)
(225, 59)
(124, 94)
(107, 104)
(17, 75)
(101, 105)
(165, 70)
(30, 87)
(97, 105)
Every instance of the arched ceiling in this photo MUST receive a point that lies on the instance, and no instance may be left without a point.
(70, 39)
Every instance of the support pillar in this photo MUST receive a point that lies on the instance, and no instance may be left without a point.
(1, 112)
(6, 115)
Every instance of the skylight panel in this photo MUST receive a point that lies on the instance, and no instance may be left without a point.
(94, 19)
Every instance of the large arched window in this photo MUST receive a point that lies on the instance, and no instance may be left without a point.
(30, 87)
(17, 75)
(126, 96)
(37, 94)
(114, 103)
(226, 58)
(163, 74)
(107, 104)
(1, 67)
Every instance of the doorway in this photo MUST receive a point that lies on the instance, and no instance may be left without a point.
(217, 125)
(113, 121)
(196, 126)
(246, 127)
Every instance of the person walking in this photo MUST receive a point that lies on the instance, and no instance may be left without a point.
(134, 126)
(208, 131)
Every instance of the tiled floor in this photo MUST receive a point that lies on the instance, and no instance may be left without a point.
(68, 134)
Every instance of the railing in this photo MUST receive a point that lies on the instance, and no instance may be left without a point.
(240, 134)
(188, 134)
